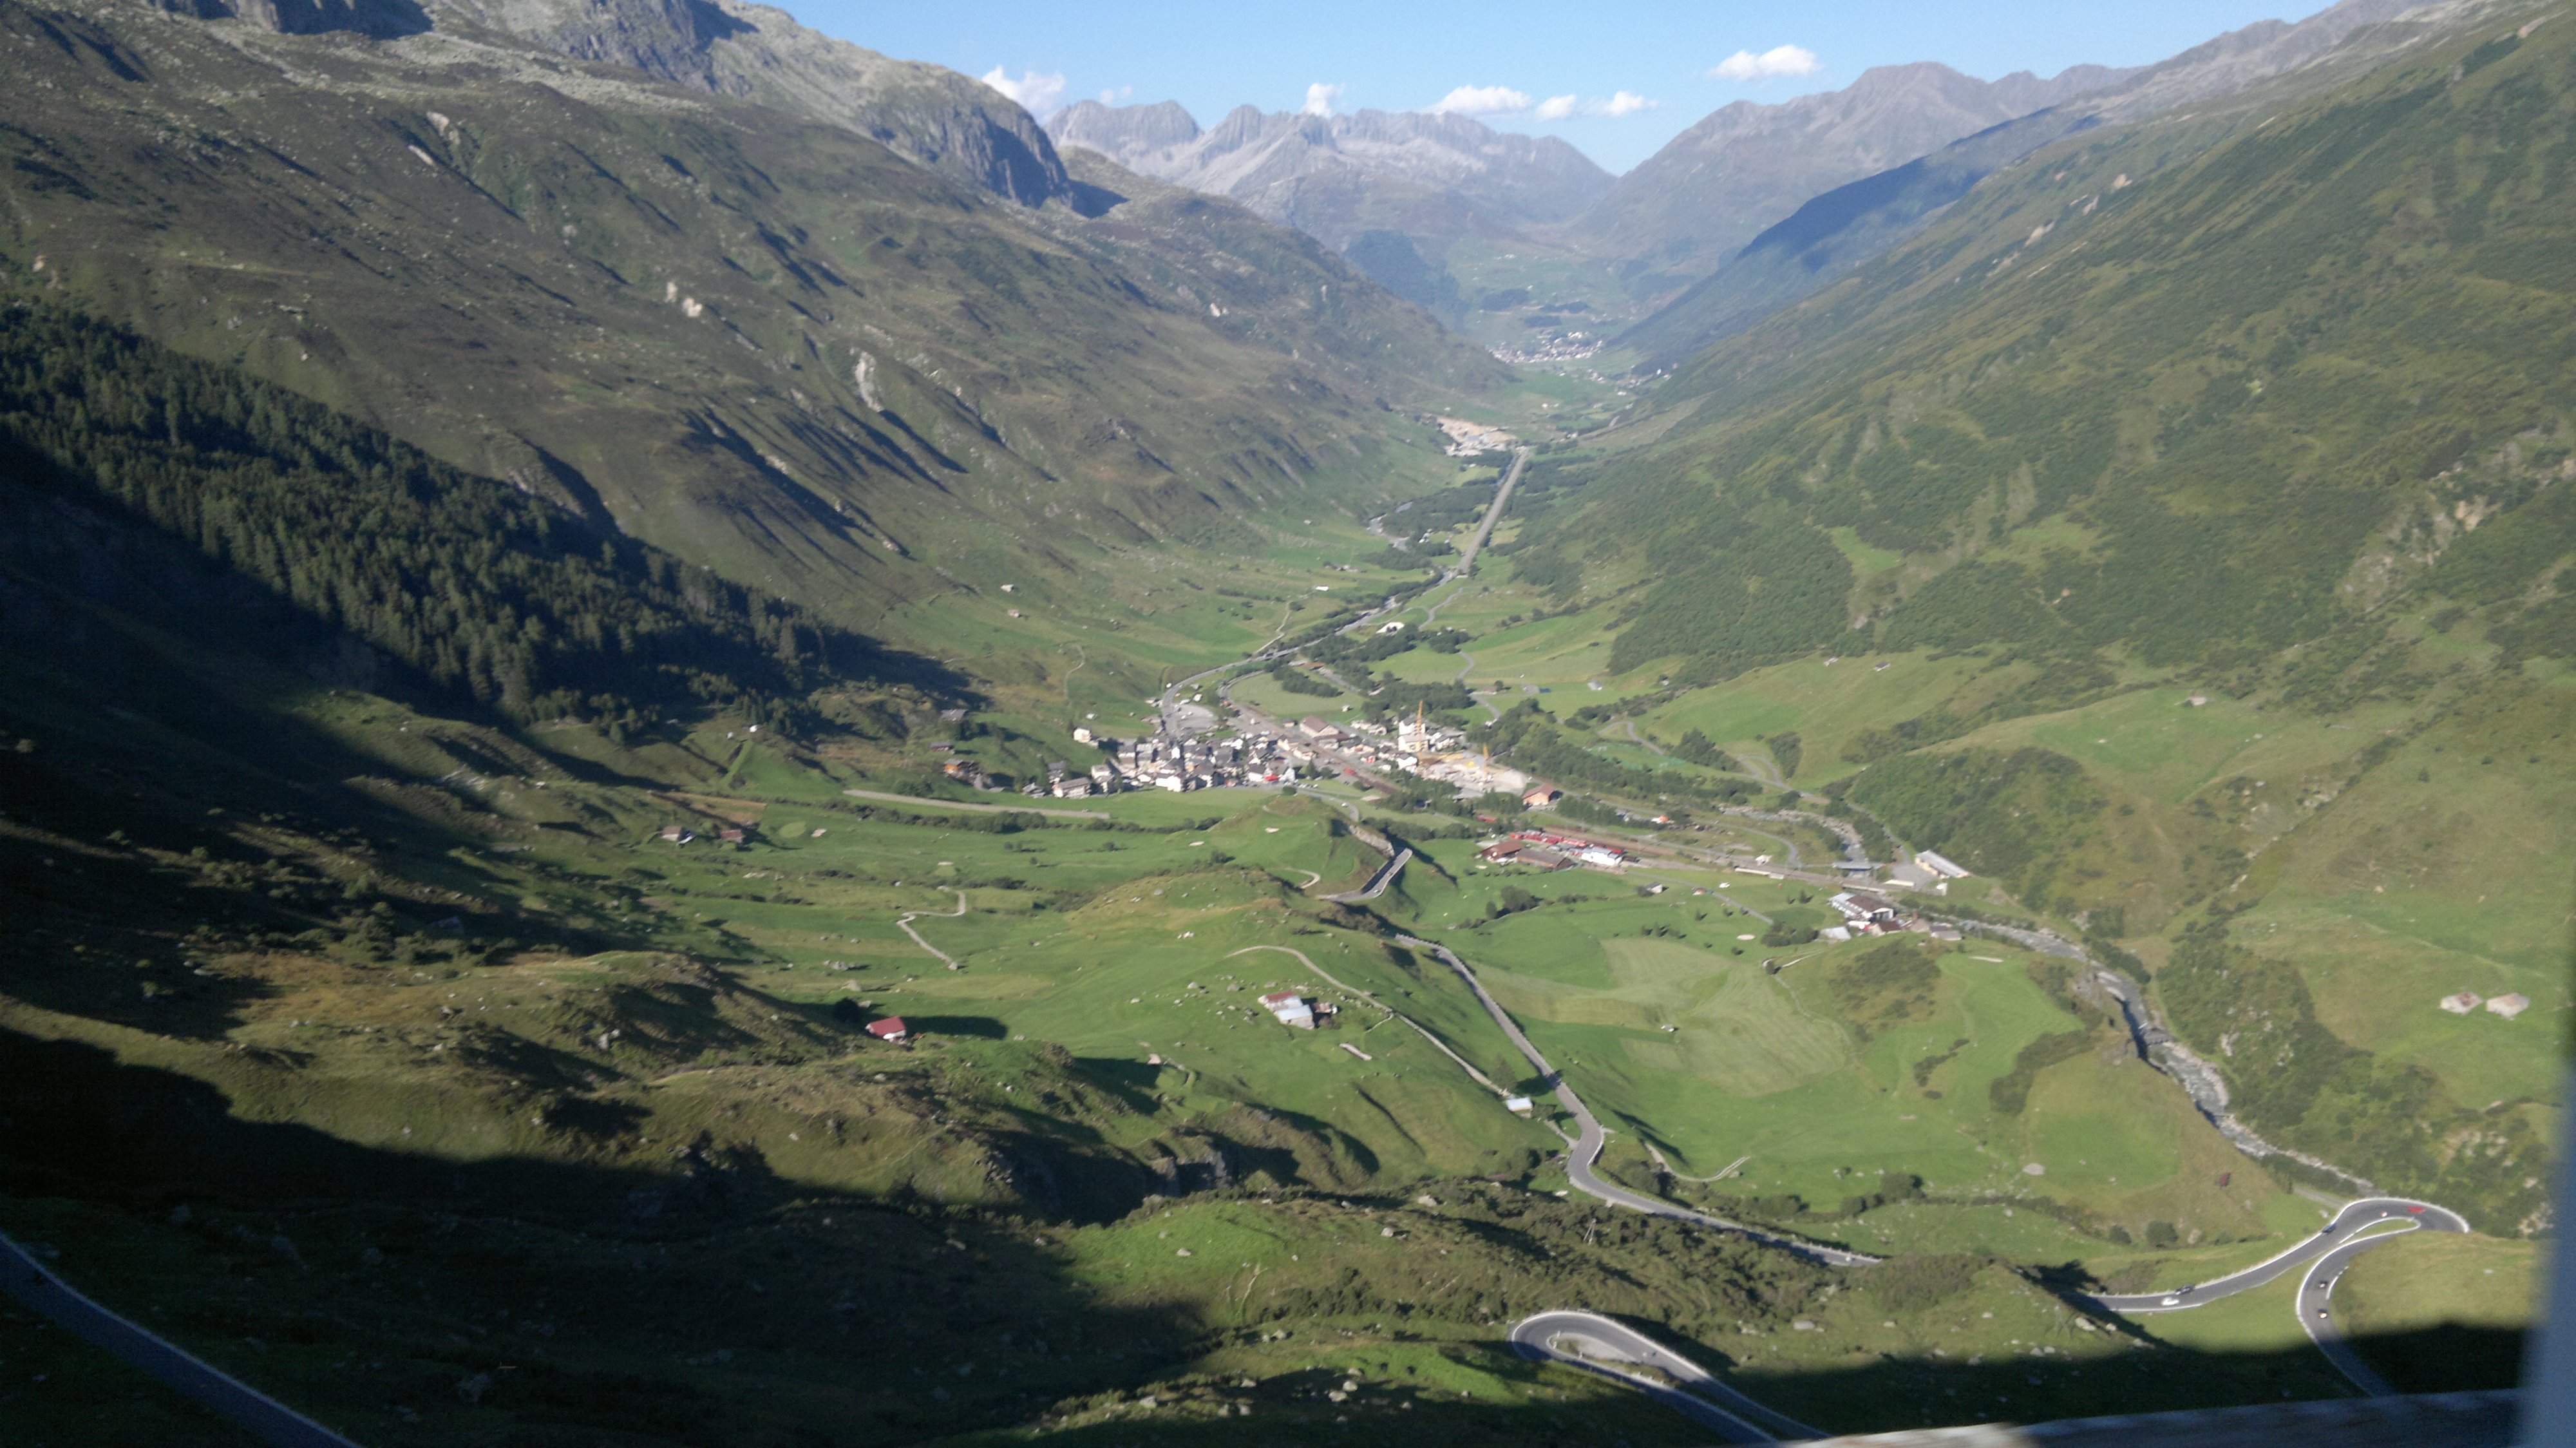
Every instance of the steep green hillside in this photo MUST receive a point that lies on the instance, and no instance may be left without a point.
(1832, 233)
(496, 552)
(2197, 418)
(459, 583)
(761, 342)
(2177, 533)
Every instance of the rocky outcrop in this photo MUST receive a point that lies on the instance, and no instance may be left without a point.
(1124, 134)
(935, 117)
(383, 19)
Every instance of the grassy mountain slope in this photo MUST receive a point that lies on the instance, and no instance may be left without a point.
(2244, 75)
(1257, 278)
(950, 123)
(454, 583)
(2282, 426)
(2170, 415)
(764, 344)
(1711, 189)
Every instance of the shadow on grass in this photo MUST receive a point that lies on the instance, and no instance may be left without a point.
(715, 1303)
(981, 1028)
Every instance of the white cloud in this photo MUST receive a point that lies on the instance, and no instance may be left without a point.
(1558, 108)
(1777, 61)
(1035, 92)
(1481, 100)
(1621, 103)
(1321, 98)
(1117, 95)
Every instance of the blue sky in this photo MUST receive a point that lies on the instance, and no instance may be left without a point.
(1402, 55)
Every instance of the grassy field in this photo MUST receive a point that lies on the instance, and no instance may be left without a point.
(2441, 1312)
(2433, 1313)
(1667, 1019)
(663, 1033)
(1827, 705)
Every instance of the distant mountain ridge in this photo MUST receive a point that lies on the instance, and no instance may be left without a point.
(1714, 187)
(924, 113)
(757, 339)
(1840, 228)
(1271, 161)
(1391, 190)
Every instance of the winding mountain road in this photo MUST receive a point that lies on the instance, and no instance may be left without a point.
(36, 1287)
(1585, 1147)
(904, 924)
(2359, 1227)
(2333, 1236)
(1597, 1344)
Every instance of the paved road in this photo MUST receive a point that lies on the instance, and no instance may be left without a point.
(1378, 882)
(2315, 1302)
(1585, 1148)
(1597, 1344)
(2333, 1235)
(36, 1287)
(1493, 515)
(959, 804)
(2356, 1229)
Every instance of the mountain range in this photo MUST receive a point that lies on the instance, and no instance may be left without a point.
(1838, 228)
(1712, 188)
(694, 718)
(1781, 195)
(760, 335)
(2176, 404)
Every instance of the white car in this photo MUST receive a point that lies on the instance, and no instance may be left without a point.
(2171, 1302)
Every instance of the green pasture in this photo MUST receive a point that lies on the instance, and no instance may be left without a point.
(1763, 1065)
(2443, 869)
(2154, 743)
(1827, 705)
(1260, 691)
(1865, 559)
(2437, 1278)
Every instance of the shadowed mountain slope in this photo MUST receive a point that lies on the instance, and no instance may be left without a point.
(768, 344)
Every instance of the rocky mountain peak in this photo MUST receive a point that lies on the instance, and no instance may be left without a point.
(924, 113)
(1123, 131)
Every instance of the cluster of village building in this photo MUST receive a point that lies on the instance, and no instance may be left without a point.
(1259, 754)
(1548, 850)
(1570, 347)
(1418, 746)
(1165, 761)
